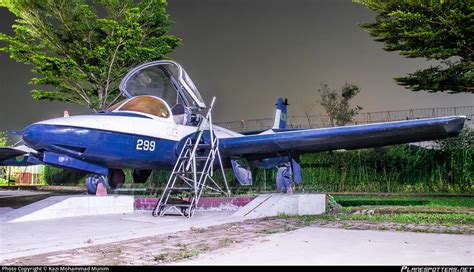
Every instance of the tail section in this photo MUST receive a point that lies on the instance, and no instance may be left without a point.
(281, 114)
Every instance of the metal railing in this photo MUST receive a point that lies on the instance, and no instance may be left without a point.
(320, 121)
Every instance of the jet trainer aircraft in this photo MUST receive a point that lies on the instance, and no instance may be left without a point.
(163, 109)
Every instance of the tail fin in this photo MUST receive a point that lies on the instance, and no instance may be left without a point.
(281, 114)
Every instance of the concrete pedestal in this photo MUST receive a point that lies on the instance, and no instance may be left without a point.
(69, 206)
(276, 204)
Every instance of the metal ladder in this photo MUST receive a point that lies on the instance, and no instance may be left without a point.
(194, 167)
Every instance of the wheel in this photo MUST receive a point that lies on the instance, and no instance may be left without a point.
(92, 181)
(116, 178)
(283, 179)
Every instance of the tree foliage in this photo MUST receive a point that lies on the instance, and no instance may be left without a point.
(80, 49)
(337, 103)
(3, 138)
(441, 30)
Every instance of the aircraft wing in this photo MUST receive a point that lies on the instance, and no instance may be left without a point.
(15, 156)
(348, 137)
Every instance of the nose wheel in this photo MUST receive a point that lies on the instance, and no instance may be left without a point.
(92, 182)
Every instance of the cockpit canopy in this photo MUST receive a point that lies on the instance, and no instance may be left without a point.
(164, 79)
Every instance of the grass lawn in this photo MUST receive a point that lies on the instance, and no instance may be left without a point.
(447, 211)
(432, 201)
(415, 218)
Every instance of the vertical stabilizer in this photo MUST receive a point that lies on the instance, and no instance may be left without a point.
(281, 114)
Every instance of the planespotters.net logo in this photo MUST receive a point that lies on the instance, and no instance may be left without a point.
(437, 269)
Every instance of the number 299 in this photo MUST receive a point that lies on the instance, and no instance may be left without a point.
(145, 145)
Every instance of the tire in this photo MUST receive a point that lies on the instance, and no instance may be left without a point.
(283, 179)
(92, 181)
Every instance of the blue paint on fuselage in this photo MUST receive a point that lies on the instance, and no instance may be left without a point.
(107, 148)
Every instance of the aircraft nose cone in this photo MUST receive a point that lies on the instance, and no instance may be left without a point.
(32, 136)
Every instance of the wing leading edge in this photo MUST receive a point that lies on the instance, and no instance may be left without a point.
(350, 137)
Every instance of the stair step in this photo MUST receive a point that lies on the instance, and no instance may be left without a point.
(197, 158)
(180, 189)
(177, 201)
(190, 172)
(177, 205)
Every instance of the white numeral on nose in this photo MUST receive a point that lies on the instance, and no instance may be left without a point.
(145, 145)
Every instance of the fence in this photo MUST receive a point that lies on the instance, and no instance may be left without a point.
(320, 121)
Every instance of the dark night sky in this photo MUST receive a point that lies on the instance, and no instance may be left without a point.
(249, 52)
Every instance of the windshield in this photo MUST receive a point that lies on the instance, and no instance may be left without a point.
(153, 80)
(191, 86)
(146, 104)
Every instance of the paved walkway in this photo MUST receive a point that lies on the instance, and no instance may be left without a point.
(315, 245)
(36, 237)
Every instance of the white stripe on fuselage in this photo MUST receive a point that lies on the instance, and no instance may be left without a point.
(156, 127)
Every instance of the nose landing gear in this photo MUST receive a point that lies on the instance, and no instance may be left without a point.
(93, 181)
(115, 179)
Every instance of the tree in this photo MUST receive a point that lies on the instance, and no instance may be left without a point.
(3, 138)
(80, 49)
(436, 30)
(337, 103)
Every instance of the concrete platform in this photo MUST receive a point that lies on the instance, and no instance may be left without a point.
(275, 204)
(21, 239)
(70, 206)
(4, 210)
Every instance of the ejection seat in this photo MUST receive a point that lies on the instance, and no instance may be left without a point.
(181, 114)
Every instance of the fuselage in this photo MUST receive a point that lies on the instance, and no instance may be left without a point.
(115, 139)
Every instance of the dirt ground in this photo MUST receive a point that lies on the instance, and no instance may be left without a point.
(170, 248)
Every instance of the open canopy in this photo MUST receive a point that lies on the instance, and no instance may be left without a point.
(165, 79)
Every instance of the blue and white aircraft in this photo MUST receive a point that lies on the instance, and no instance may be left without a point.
(162, 109)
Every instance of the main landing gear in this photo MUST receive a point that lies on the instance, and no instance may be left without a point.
(284, 179)
(288, 173)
